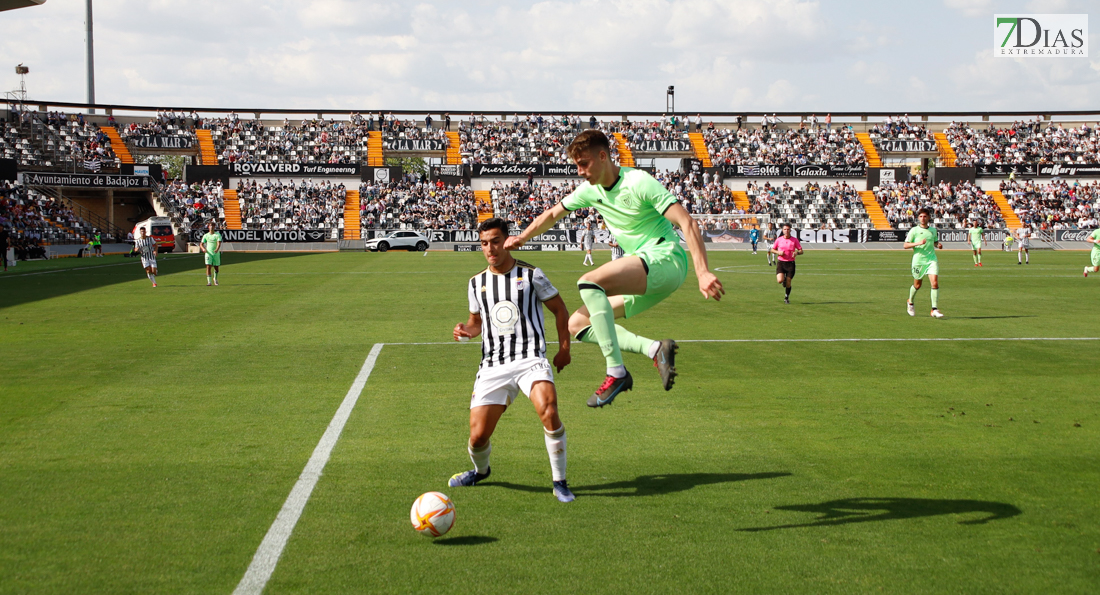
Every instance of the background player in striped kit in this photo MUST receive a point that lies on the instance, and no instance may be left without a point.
(769, 239)
(616, 249)
(147, 248)
(588, 238)
(509, 294)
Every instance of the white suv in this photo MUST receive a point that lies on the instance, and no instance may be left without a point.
(406, 240)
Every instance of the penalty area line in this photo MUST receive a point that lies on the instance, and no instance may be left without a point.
(271, 548)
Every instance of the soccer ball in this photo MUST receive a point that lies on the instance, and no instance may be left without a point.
(433, 514)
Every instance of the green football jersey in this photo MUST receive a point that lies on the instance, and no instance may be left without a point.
(976, 235)
(210, 240)
(633, 208)
(926, 252)
(1096, 238)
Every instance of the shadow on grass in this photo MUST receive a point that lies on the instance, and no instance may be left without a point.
(863, 510)
(993, 317)
(73, 275)
(648, 485)
(466, 540)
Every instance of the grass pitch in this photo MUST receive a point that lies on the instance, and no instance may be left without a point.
(149, 437)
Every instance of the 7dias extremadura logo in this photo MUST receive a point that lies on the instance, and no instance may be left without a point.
(1040, 36)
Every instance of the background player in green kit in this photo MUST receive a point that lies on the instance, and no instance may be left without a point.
(211, 246)
(977, 241)
(923, 240)
(640, 212)
(1094, 239)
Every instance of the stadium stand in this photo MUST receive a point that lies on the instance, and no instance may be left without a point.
(953, 206)
(193, 206)
(528, 139)
(520, 202)
(403, 204)
(1033, 141)
(54, 140)
(313, 141)
(38, 219)
(267, 204)
(816, 206)
(1056, 205)
(838, 146)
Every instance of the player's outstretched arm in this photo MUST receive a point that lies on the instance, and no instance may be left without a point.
(541, 224)
(561, 319)
(471, 329)
(709, 285)
(910, 245)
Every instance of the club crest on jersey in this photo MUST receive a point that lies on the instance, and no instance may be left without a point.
(521, 284)
(504, 316)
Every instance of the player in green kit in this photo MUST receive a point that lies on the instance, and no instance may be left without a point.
(923, 240)
(1094, 239)
(640, 212)
(977, 241)
(211, 246)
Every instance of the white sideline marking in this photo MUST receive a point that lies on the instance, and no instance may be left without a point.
(852, 340)
(271, 548)
(88, 268)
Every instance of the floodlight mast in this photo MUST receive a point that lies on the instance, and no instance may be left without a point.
(670, 97)
(90, 57)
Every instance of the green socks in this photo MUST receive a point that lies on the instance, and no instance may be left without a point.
(935, 298)
(912, 292)
(602, 319)
(628, 341)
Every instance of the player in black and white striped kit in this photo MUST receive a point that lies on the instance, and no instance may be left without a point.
(506, 301)
(147, 247)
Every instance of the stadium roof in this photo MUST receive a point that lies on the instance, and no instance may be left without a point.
(13, 4)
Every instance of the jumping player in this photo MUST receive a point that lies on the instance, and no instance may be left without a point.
(754, 237)
(147, 248)
(1024, 236)
(977, 241)
(1094, 239)
(923, 240)
(769, 239)
(640, 212)
(785, 249)
(211, 246)
(510, 294)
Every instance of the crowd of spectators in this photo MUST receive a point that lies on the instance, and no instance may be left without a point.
(33, 219)
(814, 206)
(699, 193)
(282, 205)
(899, 128)
(521, 202)
(1032, 141)
(953, 206)
(311, 141)
(1054, 205)
(526, 139)
(195, 204)
(165, 124)
(416, 204)
(802, 146)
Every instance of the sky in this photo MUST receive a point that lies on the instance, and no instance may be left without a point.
(577, 56)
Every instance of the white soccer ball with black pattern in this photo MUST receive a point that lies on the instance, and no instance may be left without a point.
(433, 514)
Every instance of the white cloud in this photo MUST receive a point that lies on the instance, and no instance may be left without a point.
(971, 8)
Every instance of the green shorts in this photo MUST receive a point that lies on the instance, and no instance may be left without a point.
(1096, 258)
(667, 266)
(214, 260)
(976, 245)
(928, 268)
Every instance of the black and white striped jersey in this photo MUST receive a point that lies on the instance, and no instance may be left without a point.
(511, 313)
(147, 247)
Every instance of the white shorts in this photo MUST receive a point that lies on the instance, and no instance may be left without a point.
(1024, 244)
(498, 385)
(148, 262)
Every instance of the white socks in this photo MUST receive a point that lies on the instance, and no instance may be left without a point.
(617, 371)
(555, 447)
(654, 347)
(480, 457)
(588, 259)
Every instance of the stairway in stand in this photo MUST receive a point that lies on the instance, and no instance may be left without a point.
(873, 158)
(117, 145)
(232, 207)
(351, 215)
(375, 157)
(484, 200)
(208, 155)
(700, 148)
(626, 156)
(741, 200)
(1011, 220)
(947, 154)
(454, 150)
(874, 210)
